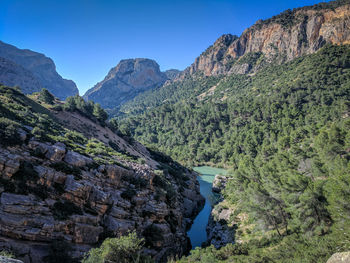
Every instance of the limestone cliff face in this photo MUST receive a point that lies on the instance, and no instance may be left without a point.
(103, 201)
(56, 194)
(83, 209)
(12, 74)
(41, 68)
(123, 82)
(279, 39)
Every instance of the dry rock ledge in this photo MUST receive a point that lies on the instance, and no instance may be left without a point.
(343, 257)
(81, 209)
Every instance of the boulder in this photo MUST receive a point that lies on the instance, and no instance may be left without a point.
(77, 159)
(9, 260)
(343, 257)
(219, 183)
(56, 152)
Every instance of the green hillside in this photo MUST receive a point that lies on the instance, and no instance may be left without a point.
(285, 132)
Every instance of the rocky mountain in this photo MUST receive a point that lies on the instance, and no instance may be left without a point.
(32, 71)
(278, 40)
(172, 73)
(123, 82)
(67, 183)
(12, 74)
(282, 38)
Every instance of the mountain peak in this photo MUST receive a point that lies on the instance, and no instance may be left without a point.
(124, 81)
(281, 38)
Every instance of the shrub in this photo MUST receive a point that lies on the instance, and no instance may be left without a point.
(125, 249)
(6, 253)
(76, 137)
(8, 132)
(57, 108)
(113, 125)
(39, 133)
(46, 96)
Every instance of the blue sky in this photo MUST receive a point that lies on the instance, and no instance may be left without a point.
(86, 38)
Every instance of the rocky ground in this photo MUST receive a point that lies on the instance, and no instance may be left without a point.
(221, 228)
(50, 194)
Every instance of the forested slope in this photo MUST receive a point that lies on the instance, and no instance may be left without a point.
(247, 114)
(285, 133)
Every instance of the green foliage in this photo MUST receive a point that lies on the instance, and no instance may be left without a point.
(113, 125)
(106, 154)
(8, 132)
(99, 113)
(125, 249)
(76, 137)
(89, 109)
(46, 96)
(6, 253)
(285, 133)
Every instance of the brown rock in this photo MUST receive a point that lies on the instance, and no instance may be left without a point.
(77, 159)
(56, 152)
(86, 234)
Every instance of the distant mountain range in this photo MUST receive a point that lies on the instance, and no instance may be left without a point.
(32, 71)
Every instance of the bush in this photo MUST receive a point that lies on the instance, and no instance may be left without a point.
(113, 125)
(76, 137)
(125, 249)
(6, 253)
(8, 133)
(46, 96)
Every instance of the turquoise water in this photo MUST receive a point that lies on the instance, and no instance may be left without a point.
(198, 233)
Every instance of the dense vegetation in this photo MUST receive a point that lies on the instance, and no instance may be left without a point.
(285, 132)
(32, 116)
(125, 249)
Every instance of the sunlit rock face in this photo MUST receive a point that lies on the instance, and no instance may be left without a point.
(123, 82)
(32, 71)
(278, 39)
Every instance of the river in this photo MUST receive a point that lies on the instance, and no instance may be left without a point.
(197, 232)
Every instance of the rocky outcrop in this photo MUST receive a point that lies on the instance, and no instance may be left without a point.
(123, 82)
(50, 194)
(221, 229)
(219, 183)
(9, 260)
(32, 71)
(282, 38)
(343, 257)
(172, 73)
